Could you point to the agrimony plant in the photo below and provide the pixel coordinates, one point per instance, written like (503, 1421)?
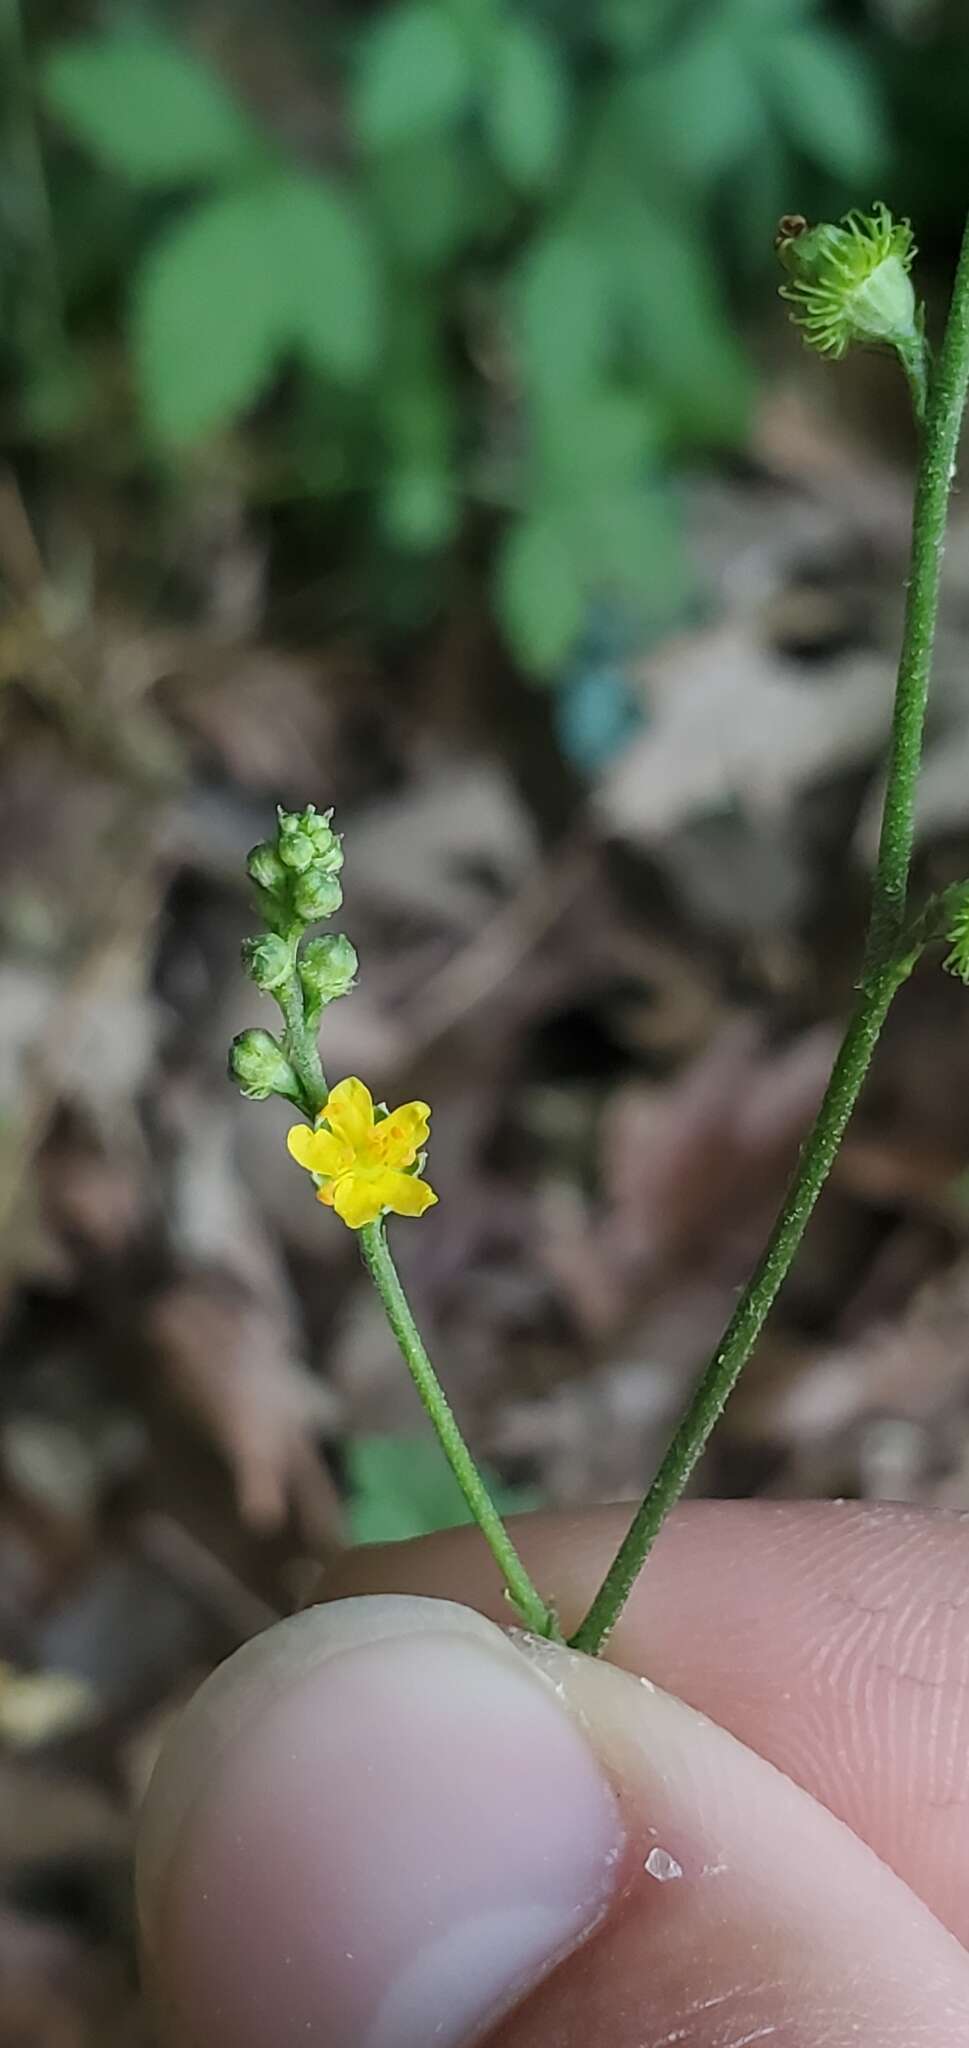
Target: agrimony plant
(366, 1161)
(848, 284)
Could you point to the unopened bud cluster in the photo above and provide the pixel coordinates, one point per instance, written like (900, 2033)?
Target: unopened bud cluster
(297, 881)
(297, 872)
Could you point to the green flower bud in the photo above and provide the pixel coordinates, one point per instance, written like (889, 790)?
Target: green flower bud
(850, 282)
(327, 968)
(316, 895)
(268, 960)
(261, 1068)
(296, 851)
(265, 868)
(330, 858)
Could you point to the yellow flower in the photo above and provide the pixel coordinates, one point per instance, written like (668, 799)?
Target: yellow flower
(359, 1162)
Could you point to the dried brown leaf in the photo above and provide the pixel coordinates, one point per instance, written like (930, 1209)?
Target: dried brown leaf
(227, 1360)
(733, 724)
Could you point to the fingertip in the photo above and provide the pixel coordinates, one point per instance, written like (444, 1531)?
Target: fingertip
(376, 1823)
(749, 1912)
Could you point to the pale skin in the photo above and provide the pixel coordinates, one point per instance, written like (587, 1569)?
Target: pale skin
(769, 1843)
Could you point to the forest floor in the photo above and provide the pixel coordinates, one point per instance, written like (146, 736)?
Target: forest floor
(621, 994)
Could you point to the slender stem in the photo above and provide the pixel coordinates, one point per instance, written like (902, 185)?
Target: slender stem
(377, 1258)
(300, 1043)
(884, 970)
(940, 442)
(751, 1311)
(302, 1051)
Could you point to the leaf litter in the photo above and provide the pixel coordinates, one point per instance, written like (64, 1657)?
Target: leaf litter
(624, 1004)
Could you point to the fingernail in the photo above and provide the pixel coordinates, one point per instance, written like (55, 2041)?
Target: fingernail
(377, 1825)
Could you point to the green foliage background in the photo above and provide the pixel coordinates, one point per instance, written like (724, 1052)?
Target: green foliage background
(469, 275)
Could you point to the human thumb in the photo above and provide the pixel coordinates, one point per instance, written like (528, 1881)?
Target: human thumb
(385, 1823)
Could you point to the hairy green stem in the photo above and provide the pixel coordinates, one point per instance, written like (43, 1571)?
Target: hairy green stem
(534, 1612)
(752, 1310)
(884, 970)
(940, 442)
(300, 1043)
(302, 1050)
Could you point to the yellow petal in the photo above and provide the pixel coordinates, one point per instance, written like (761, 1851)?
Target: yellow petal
(397, 1141)
(331, 1156)
(359, 1198)
(349, 1112)
(405, 1194)
(299, 1141)
(318, 1151)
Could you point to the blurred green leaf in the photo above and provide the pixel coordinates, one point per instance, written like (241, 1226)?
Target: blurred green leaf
(632, 29)
(608, 437)
(767, 14)
(415, 75)
(207, 320)
(825, 97)
(426, 193)
(526, 106)
(418, 505)
(562, 316)
(633, 551)
(540, 599)
(477, 20)
(241, 279)
(327, 275)
(669, 289)
(761, 190)
(148, 108)
(402, 1487)
(419, 509)
(698, 110)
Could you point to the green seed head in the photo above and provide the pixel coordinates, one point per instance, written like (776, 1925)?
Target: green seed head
(850, 283)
